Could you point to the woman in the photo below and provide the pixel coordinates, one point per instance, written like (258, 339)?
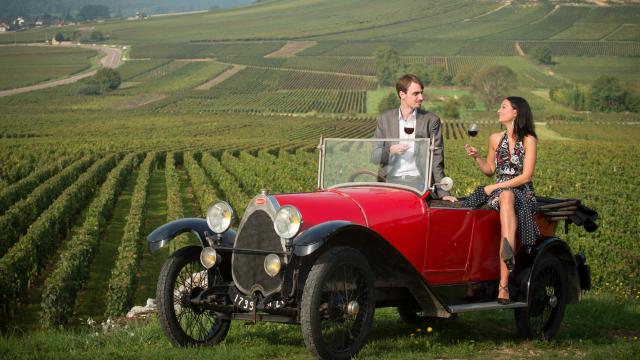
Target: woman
(512, 157)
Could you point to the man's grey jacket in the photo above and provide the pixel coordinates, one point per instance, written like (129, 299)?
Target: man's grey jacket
(427, 126)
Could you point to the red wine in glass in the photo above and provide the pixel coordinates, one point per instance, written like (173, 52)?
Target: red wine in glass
(472, 130)
(408, 130)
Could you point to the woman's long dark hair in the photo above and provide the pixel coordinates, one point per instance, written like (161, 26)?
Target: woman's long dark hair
(523, 124)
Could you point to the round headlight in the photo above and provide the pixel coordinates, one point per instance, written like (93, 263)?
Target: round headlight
(272, 264)
(209, 257)
(219, 217)
(287, 222)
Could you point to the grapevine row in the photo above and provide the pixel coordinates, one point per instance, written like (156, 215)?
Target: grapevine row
(18, 218)
(205, 194)
(71, 270)
(21, 264)
(226, 183)
(24, 187)
(174, 202)
(122, 282)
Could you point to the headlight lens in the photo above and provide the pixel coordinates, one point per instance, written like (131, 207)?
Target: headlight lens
(272, 264)
(219, 217)
(209, 257)
(287, 222)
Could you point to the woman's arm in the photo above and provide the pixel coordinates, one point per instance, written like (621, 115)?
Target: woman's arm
(488, 166)
(530, 153)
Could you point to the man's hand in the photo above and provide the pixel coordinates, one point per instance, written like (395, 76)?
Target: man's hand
(450, 198)
(398, 149)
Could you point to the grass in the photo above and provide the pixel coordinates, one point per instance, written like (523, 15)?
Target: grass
(588, 69)
(599, 326)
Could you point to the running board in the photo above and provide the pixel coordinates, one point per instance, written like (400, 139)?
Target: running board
(492, 305)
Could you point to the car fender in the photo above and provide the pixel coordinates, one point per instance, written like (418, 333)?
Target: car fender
(315, 237)
(162, 235)
(376, 249)
(562, 251)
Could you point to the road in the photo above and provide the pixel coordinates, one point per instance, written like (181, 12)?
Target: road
(110, 60)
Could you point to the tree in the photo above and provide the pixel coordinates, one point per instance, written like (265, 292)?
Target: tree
(59, 37)
(438, 75)
(542, 54)
(467, 102)
(108, 79)
(464, 75)
(388, 65)
(389, 101)
(421, 71)
(607, 94)
(96, 36)
(573, 96)
(492, 83)
(93, 12)
(450, 108)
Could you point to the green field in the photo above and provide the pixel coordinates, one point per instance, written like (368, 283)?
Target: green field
(84, 178)
(26, 65)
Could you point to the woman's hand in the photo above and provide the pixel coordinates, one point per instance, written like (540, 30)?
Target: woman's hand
(471, 151)
(489, 189)
(449, 198)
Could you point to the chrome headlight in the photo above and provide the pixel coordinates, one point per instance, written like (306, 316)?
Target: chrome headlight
(272, 264)
(209, 257)
(219, 217)
(287, 222)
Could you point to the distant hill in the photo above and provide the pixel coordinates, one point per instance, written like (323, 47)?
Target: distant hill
(10, 9)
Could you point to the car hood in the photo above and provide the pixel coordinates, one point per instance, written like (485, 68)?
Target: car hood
(375, 207)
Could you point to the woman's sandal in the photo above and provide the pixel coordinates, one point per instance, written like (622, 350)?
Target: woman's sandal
(503, 301)
(507, 254)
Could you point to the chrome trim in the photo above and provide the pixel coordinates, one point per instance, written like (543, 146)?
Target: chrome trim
(491, 305)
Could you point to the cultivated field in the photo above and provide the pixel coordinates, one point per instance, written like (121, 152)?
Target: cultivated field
(84, 178)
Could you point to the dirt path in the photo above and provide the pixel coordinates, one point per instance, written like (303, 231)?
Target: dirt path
(222, 77)
(291, 48)
(110, 60)
(506, 3)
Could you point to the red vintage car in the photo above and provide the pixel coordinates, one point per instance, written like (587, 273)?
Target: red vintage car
(327, 259)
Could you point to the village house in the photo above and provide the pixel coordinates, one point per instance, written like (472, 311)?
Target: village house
(3, 27)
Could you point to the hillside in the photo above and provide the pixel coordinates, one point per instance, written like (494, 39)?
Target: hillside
(349, 20)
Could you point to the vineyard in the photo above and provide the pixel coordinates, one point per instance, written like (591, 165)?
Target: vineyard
(84, 179)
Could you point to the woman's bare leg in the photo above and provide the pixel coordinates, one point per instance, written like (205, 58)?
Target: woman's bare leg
(508, 225)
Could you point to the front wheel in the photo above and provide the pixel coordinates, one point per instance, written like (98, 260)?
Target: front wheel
(547, 300)
(181, 279)
(338, 304)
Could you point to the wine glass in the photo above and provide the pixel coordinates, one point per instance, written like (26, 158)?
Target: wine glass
(408, 130)
(472, 130)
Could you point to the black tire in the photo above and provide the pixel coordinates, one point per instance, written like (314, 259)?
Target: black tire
(183, 277)
(338, 304)
(547, 300)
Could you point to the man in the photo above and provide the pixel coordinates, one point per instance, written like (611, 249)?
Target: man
(399, 160)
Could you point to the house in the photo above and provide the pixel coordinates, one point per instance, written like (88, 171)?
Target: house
(3, 27)
(18, 21)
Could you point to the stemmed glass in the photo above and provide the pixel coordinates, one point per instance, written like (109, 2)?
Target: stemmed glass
(472, 130)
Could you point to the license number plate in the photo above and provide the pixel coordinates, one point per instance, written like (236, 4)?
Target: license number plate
(248, 304)
(244, 303)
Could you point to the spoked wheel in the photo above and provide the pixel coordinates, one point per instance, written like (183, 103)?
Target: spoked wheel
(547, 300)
(338, 304)
(182, 279)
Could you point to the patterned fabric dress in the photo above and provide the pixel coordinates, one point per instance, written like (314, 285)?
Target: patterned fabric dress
(508, 166)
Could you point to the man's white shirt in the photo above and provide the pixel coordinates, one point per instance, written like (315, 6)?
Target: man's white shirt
(405, 164)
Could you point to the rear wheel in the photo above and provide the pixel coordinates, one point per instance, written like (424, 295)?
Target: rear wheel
(547, 300)
(181, 279)
(338, 304)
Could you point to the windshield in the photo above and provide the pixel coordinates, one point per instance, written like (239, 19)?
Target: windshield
(348, 162)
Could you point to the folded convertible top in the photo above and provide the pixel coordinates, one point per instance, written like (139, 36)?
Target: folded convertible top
(570, 210)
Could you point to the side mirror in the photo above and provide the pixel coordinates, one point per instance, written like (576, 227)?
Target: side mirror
(445, 184)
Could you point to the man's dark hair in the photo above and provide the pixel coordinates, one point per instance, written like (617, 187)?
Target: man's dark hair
(405, 81)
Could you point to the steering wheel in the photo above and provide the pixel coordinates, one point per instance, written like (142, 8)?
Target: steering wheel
(357, 173)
